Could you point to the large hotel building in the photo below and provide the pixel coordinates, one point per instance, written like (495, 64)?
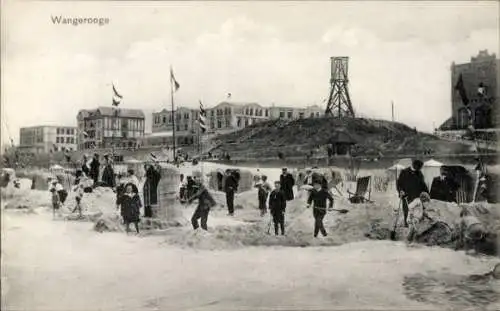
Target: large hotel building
(45, 139)
(223, 118)
(107, 127)
(481, 77)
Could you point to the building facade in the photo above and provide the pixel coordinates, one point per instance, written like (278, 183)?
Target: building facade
(108, 127)
(480, 78)
(44, 139)
(223, 118)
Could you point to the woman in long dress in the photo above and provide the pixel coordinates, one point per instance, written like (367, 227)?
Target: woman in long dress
(150, 189)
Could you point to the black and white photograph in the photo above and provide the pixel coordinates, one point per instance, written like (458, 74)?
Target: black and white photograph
(250, 155)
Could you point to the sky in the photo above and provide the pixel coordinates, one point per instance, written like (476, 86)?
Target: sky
(265, 52)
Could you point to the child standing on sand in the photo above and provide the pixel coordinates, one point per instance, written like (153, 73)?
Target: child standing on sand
(79, 190)
(56, 202)
(131, 206)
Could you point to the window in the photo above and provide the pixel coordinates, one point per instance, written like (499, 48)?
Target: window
(301, 115)
(238, 123)
(312, 114)
(267, 113)
(177, 127)
(164, 119)
(246, 122)
(219, 124)
(185, 127)
(282, 114)
(186, 116)
(68, 140)
(317, 114)
(290, 114)
(212, 113)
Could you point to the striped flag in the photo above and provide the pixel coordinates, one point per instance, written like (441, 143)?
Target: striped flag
(202, 119)
(174, 82)
(117, 98)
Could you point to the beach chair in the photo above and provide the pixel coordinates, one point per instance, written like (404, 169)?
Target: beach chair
(361, 189)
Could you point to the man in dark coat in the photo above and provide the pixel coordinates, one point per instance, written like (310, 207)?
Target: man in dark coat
(94, 169)
(410, 185)
(277, 206)
(319, 196)
(150, 189)
(230, 188)
(287, 182)
(443, 188)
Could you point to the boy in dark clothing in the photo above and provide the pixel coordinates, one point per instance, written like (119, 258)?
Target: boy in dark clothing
(277, 206)
(318, 196)
(230, 187)
(205, 202)
(410, 185)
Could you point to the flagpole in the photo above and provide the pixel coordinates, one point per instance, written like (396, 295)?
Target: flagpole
(173, 115)
(392, 110)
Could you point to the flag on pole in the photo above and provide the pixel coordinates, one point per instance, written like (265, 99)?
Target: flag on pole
(461, 90)
(174, 82)
(202, 119)
(117, 98)
(228, 95)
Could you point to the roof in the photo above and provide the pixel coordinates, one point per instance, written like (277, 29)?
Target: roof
(122, 112)
(341, 136)
(433, 162)
(109, 111)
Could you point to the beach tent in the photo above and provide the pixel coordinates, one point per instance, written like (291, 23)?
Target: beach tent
(395, 170)
(406, 162)
(431, 169)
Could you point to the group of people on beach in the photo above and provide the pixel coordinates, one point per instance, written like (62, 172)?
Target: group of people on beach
(126, 187)
(414, 200)
(411, 187)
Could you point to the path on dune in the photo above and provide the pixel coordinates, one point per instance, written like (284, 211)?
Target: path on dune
(56, 265)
